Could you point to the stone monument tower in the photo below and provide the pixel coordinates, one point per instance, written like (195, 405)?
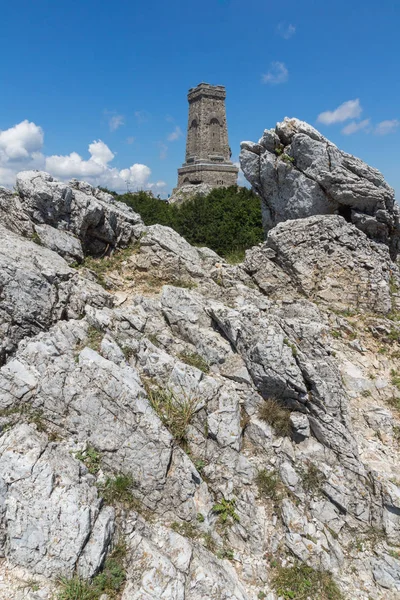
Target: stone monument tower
(207, 147)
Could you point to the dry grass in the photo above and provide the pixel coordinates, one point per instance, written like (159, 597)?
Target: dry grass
(276, 415)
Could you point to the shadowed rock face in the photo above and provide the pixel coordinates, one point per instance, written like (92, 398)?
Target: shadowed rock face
(299, 173)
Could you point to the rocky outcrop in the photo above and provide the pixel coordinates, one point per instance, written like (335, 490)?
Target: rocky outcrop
(246, 415)
(299, 173)
(188, 191)
(96, 221)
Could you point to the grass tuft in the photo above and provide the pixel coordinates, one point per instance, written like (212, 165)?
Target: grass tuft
(175, 413)
(277, 416)
(195, 360)
(301, 582)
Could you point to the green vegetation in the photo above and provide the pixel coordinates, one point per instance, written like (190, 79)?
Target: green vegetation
(301, 582)
(228, 220)
(269, 484)
(118, 490)
(24, 412)
(186, 529)
(90, 458)
(277, 416)
(175, 413)
(225, 509)
(395, 378)
(113, 262)
(312, 479)
(226, 553)
(194, 360)
(35, 238)
(109, 581)
(292, 346)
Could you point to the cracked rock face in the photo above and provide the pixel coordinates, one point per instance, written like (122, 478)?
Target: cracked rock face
(299, 173)
(307, 322)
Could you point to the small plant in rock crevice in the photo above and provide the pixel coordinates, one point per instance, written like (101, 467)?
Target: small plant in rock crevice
(225, 509)
(90, 458)
(108, 582)
(175, 412)
(301, 582)
(312, 479)
(194, 360)
(269, 484)
(276, 415)
(118, 490)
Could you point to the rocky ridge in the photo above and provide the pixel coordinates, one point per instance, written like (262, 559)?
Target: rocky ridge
(299, 173)
(251, 410)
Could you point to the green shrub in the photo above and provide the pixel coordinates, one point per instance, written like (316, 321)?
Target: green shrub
(277, 416)
(227, 220)
(301, 582)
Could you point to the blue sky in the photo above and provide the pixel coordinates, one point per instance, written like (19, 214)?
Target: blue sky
(97, 90)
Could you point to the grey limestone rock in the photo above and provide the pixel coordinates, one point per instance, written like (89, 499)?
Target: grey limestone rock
(298, 173)
(96, 218)
(51, 512)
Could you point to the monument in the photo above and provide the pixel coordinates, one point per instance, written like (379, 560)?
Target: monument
(208, 156)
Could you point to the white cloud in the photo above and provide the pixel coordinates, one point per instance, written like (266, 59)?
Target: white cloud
(385, 127)
(163, 150)
(116, 121)
(175, 135)
(20, 149)
(355, 126)
(21, 141)
(142, 116)
(277, 73)
(348, 110)
(286, 30)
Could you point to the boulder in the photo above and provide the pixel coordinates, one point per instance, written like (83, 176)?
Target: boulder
(299, 173)
(186, 192)
(95, 217)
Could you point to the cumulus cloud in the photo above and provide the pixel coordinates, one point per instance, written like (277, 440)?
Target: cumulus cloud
(277, 73)
(385, 127)
(353, 127)
(116, 121)
(348, 110)
(286, 30)
(175, 134)
(20, 149)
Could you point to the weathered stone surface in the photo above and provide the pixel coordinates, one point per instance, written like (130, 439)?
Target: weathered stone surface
(331, 261)
(96, 218)
(299, 173)
(37, 289)
(62, 242)
(51, 514)
(188, 191)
